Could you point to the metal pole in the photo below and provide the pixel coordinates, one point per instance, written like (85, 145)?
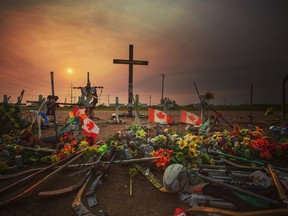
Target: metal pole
(52, 82)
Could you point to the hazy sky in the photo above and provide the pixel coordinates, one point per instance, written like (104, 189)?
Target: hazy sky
(222, 45)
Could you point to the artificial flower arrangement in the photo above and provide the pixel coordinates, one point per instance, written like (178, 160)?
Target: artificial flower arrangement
(245, 143)
(191, 150)
(11, 114)
(68, 144)
(164, 154)
(186, 149)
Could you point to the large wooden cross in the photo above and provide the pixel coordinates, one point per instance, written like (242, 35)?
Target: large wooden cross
(131, 62)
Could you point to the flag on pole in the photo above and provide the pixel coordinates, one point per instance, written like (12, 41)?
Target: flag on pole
(158, 116)
(190, 118)
(76, 112)
(80, 112)
(89, 127)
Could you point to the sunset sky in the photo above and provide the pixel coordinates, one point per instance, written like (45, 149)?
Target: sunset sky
(223, 46)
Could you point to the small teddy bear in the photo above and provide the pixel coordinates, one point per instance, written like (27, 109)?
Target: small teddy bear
(29, 139)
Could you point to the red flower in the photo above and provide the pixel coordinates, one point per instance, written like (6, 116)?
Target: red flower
(164, 159)
(61, 155)
(265, 147)
(67, 147)
(73, 142)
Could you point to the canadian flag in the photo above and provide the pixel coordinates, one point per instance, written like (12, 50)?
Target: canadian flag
(190, 118)
(158, 116)
(89, 128)
(76, 112)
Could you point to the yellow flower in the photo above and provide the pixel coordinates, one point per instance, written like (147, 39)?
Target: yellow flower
(119, 148)
(192, 151)
(114, 143)
(140, 134)
(192, 145)
(246, 140)
(83, 144)
(181, 144)
(188, 136)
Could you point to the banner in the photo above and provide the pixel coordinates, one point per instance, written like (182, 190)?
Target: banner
(190, 118)
(89, 128)
(158, 116)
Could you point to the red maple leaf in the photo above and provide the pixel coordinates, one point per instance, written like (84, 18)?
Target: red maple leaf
(192, 118)
(199, 121)
(160, 115)
(90, 125)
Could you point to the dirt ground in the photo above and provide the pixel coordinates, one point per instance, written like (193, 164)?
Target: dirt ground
(113, 194)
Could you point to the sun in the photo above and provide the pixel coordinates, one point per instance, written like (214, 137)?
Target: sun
(70, 71)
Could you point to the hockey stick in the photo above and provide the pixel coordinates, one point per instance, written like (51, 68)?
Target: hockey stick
(79, 208)
(98, 179)
(72, 158)
(155, 181)
(40, 171)
(72, 187)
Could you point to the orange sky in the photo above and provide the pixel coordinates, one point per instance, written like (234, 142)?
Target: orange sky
(223, 47)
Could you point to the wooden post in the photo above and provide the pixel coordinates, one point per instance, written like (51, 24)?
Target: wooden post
(130, 62)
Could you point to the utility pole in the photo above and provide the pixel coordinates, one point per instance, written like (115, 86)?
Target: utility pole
(163, 76)
(150, 96)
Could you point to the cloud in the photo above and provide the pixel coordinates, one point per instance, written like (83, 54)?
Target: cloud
(223, 46)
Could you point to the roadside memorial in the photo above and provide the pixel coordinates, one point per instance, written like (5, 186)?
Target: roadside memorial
(137, 105)
(70, 159)
(160, 117)
(189, 119)
(10, 118)
(204, 105)
(115, 116)
(236, 159)
(51, 107)
(89, 97)
(166, 105)
(151, 178)
(130, 62)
